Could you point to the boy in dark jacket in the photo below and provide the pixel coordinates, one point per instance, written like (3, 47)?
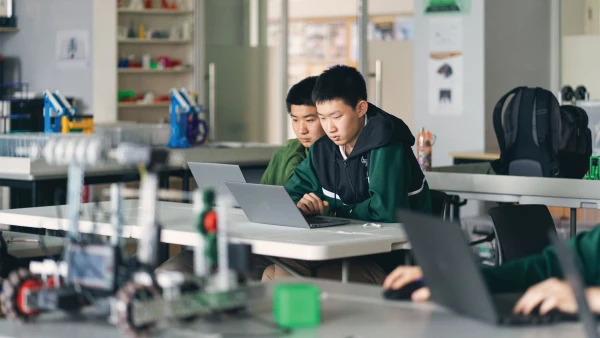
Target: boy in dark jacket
(365, 169)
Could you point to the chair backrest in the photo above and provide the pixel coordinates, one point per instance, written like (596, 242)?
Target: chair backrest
(521, 230)
(440, 204)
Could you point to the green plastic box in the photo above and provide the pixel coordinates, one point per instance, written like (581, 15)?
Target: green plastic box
(296, 305)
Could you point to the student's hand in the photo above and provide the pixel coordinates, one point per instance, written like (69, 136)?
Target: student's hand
(311, 204)
(550, 294)
(404, 275)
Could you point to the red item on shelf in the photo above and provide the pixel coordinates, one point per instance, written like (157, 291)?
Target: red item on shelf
(175, 63)
(148, 4)
(165, 62)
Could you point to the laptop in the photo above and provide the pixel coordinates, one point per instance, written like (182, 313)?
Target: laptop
(453, 274)
(271, 204)
(214, 175)
(569, 267)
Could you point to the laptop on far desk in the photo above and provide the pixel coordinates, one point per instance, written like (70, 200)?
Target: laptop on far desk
(454, 277)
(271, 204)
(214, 175)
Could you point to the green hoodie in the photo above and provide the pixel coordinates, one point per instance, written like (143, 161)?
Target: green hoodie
(378, 177)
(520, 274)
(283, 163)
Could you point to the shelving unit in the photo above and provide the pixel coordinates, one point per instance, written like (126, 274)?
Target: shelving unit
(8, 29)
(134, 105)
(154, 11)
(154, 71)
(155, 41)
(178, 46)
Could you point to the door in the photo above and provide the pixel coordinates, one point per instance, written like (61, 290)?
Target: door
(239, 66)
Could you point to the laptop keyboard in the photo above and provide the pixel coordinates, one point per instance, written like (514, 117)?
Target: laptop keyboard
(323, 221)
(506, 302)
(535, 318)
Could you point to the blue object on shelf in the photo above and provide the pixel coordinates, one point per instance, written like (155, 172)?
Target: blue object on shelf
(187, 126)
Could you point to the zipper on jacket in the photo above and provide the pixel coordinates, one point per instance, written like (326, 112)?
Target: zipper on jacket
(351, 185)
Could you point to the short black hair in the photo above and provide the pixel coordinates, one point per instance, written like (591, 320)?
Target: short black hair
(301, 93)
(340, 83)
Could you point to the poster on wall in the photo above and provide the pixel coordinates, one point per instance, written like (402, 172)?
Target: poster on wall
(445, 83)
(447, 6)
(446, 66)
(72, 49)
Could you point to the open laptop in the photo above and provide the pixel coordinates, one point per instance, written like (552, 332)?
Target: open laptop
(453, 275)
(214, 175)
(271, 204)
(569, 267)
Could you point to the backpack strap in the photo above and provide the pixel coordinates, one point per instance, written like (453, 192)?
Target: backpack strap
(545, 121)
(497, 119)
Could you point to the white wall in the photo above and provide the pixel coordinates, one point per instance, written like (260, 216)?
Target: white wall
(580, 63)
(34, 45)
(454, 133)
(334, 8)
(573, 12)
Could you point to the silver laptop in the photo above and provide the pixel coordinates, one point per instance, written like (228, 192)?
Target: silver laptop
(214, 175)
(271, 204)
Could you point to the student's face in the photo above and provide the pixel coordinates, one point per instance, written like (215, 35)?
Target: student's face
(341, 122)
(305, 123)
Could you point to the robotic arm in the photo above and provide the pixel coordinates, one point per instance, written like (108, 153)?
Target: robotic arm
(57, 104)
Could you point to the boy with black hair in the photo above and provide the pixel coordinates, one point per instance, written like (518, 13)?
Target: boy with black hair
(365, 169)
(307, 128)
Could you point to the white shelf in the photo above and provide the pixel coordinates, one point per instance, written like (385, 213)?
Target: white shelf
(154, 71)
(154, 11)
(143, 105)
(8, 29)
(155, 41)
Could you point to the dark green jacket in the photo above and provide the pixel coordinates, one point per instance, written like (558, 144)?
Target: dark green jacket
(378, 177)
(283, 163)
(520, 274)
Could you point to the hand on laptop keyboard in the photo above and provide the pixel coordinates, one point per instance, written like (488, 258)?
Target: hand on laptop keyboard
(551, 294)
(535, 318)
(311, 204)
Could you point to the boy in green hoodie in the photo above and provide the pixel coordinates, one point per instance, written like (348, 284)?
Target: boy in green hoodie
(538, 276)
(365, 169)
(306, 126)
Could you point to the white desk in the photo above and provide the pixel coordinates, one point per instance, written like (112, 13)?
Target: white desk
(348, 310)
(178, 222)
(558, 192)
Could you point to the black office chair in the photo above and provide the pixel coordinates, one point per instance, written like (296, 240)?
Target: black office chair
(440, 204)
(521, 230)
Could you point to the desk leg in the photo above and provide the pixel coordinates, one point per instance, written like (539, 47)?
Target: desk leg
(186, 180)
(573, 223)
(33, 194)
(345, 270)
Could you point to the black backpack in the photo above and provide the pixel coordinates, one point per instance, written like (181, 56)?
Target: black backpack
(538, 137)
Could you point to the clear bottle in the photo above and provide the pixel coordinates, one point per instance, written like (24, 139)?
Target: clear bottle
(425, 141)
